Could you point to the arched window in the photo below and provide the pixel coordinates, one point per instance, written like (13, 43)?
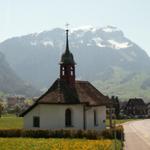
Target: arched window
(95, 118)
(63, 71)
(71, 71)
(68, 118)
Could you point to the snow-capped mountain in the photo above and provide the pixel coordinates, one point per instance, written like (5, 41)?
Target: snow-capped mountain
(109, 37)
(98, 52)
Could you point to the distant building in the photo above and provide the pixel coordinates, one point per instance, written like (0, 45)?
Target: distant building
(68, 104)
(135, 107)
(148, 109)
(13, 100)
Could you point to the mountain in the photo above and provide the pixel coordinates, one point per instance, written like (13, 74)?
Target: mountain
(115, 64)
(10, 83)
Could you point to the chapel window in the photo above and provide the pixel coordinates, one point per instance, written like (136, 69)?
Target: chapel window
(95, 118)
(36, 121)
(68, 118)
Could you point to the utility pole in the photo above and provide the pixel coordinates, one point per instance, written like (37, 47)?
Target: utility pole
(110, 115)
(115, 143)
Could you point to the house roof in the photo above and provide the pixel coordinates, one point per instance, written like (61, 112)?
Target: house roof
(135, 102)
(60, 93)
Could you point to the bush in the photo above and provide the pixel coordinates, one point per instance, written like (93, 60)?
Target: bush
(92, 134)
(88, 134)
(110, 133)
(10, 132)
(35, 133)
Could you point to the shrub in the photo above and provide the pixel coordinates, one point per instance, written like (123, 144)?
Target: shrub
(92, 134)
(10, 132)
(107, 134)
(88, 134)
(35, 133)
(110, 133)
(120, 132)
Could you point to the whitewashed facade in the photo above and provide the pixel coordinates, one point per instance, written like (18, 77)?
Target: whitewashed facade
(53, 117)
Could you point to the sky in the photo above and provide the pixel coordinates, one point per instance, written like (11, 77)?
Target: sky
(20, 17)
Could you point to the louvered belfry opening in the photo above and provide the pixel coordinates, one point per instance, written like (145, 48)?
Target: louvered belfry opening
(67, 65)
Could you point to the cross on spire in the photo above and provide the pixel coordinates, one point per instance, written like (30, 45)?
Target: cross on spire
(67, 26)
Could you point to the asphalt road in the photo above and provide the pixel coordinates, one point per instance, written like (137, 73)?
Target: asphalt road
(137, 135)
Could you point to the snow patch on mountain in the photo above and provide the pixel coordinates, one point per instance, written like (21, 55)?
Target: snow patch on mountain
(110, 29)
(48, 43)
(84, 29)
(117, 45)
(98, 42)
(90, 28)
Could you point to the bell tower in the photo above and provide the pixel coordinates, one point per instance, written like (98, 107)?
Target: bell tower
(67, 65)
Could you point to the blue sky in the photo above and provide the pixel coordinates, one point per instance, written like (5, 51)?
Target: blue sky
(19, 17)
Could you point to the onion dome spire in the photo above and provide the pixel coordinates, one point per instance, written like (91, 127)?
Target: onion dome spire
(67, 57)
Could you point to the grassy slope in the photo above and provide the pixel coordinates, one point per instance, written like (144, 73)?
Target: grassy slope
(124, 85)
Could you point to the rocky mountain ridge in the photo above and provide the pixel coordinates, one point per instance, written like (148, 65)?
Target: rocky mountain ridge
(104, 56)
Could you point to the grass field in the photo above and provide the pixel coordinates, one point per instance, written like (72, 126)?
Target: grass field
(11, 121)
(56, 144)
(120, 121)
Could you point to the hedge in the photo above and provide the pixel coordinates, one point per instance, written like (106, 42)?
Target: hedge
(88, 134)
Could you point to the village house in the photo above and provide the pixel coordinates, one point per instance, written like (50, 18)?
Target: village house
(68, 103)
(135, 108)
(148, 109)
(13, 100)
